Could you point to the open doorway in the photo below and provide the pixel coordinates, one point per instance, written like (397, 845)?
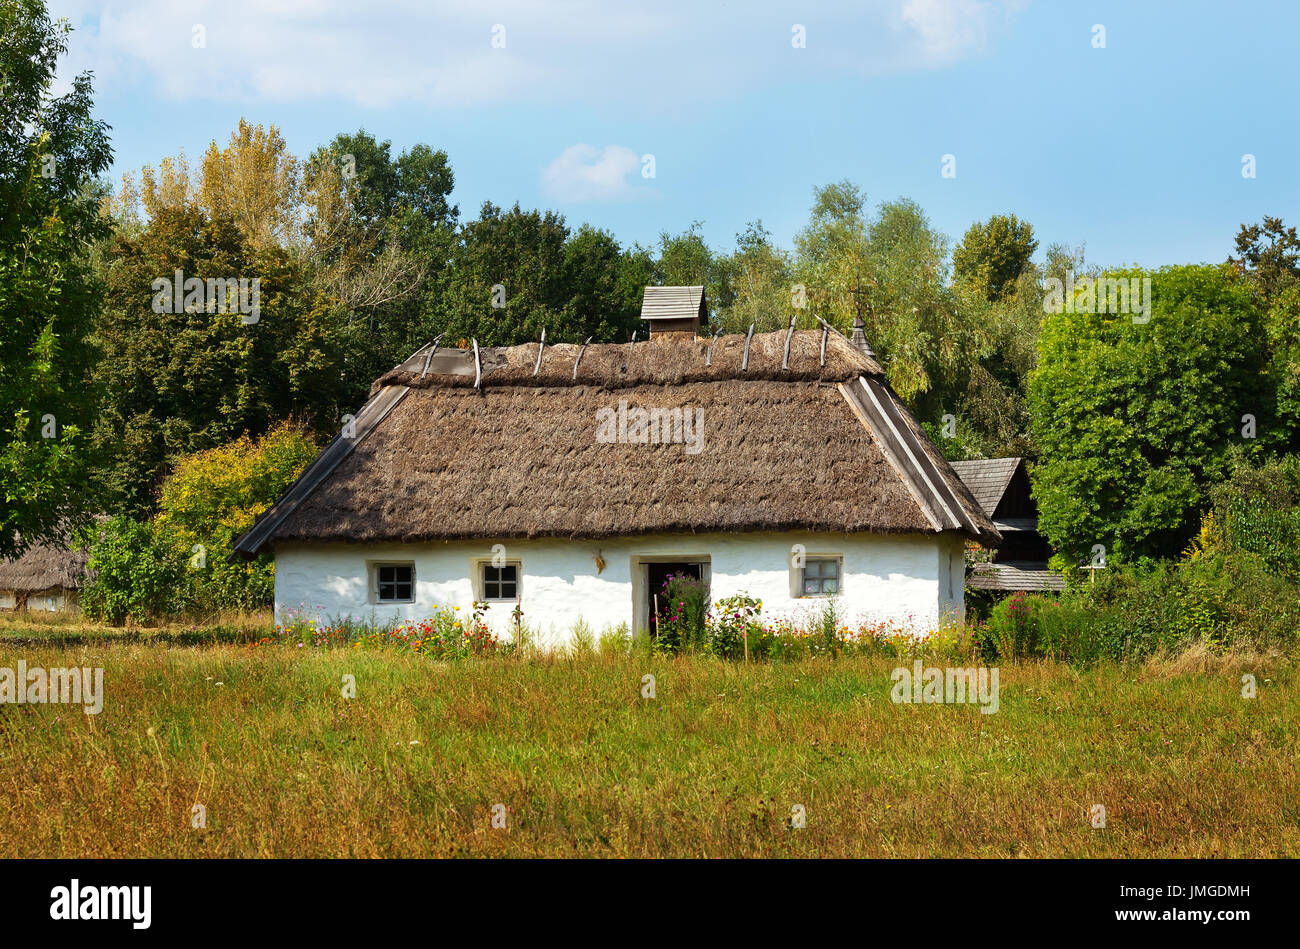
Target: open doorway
(657, 576)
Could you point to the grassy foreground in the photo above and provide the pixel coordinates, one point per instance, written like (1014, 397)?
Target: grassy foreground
(412, 766)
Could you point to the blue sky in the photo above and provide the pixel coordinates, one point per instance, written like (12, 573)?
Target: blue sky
(1134, 150)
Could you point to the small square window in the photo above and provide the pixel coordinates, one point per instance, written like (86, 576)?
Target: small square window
(501, 583)
(395, 582)
(821, 577)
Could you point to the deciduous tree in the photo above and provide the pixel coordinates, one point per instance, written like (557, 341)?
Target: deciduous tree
(51, 150)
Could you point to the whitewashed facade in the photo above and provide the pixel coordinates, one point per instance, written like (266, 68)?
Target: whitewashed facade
(913, 581)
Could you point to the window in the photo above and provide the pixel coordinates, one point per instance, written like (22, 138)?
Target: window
(821, 576)
(395, 582)
(501, 583)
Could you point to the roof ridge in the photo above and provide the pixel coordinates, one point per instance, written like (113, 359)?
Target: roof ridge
(822, 354)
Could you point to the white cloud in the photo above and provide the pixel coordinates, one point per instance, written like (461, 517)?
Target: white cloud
(586, 173)
(411, 52)
(949, 29)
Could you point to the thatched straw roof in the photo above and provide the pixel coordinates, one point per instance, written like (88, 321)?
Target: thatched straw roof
(809, 439)
(43, 567)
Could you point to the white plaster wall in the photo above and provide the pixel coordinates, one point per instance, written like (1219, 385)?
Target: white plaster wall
(952, 568)
(45, 602)
(900, 578)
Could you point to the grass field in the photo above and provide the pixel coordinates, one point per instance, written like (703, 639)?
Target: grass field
(712, 766)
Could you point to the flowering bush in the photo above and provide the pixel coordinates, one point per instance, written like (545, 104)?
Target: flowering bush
(443, 635)
(1013, 627)
(683, 614)
(733, 625)
(734, 628)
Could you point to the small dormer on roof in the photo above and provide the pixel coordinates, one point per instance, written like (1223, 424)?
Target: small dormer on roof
(677, 311)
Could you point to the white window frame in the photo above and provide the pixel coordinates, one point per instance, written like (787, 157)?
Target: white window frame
(373, 571)
(480, 582)
(797, 577)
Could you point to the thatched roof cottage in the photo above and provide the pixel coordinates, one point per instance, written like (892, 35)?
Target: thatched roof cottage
(44, 578)
(571, 480)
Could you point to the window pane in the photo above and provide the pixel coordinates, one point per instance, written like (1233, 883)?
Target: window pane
(821, 577)
(395, 581)
(500, 583)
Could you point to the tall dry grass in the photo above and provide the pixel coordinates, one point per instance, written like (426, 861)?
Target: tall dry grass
(412, 766)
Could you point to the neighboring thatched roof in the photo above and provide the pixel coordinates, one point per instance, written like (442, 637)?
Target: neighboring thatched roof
(43, 567)
(790, 443)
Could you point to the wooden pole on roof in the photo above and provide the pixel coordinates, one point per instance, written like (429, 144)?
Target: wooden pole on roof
(579, 359)
(826, 331)
(429, 358)
(478, 366)
(540, 346)
(708, 357)
(785, 361)
(744, 363)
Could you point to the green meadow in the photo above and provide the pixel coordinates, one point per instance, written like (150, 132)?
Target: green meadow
(723, 761)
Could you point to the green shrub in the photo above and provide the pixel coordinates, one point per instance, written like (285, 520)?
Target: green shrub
(582, 639)
(135, 572)
(1013, 627)
(683, 615)
(1258, 510)
(212, 497)
(614, 640)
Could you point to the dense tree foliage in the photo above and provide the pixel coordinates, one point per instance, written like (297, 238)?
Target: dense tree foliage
(994, 253)
(513, 273)
(51, 150)
(1135, 421)
(1270, 256)
(194, 378)
(762, 290)
(138, 572)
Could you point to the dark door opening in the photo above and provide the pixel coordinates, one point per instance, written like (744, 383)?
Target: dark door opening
(658, 576)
